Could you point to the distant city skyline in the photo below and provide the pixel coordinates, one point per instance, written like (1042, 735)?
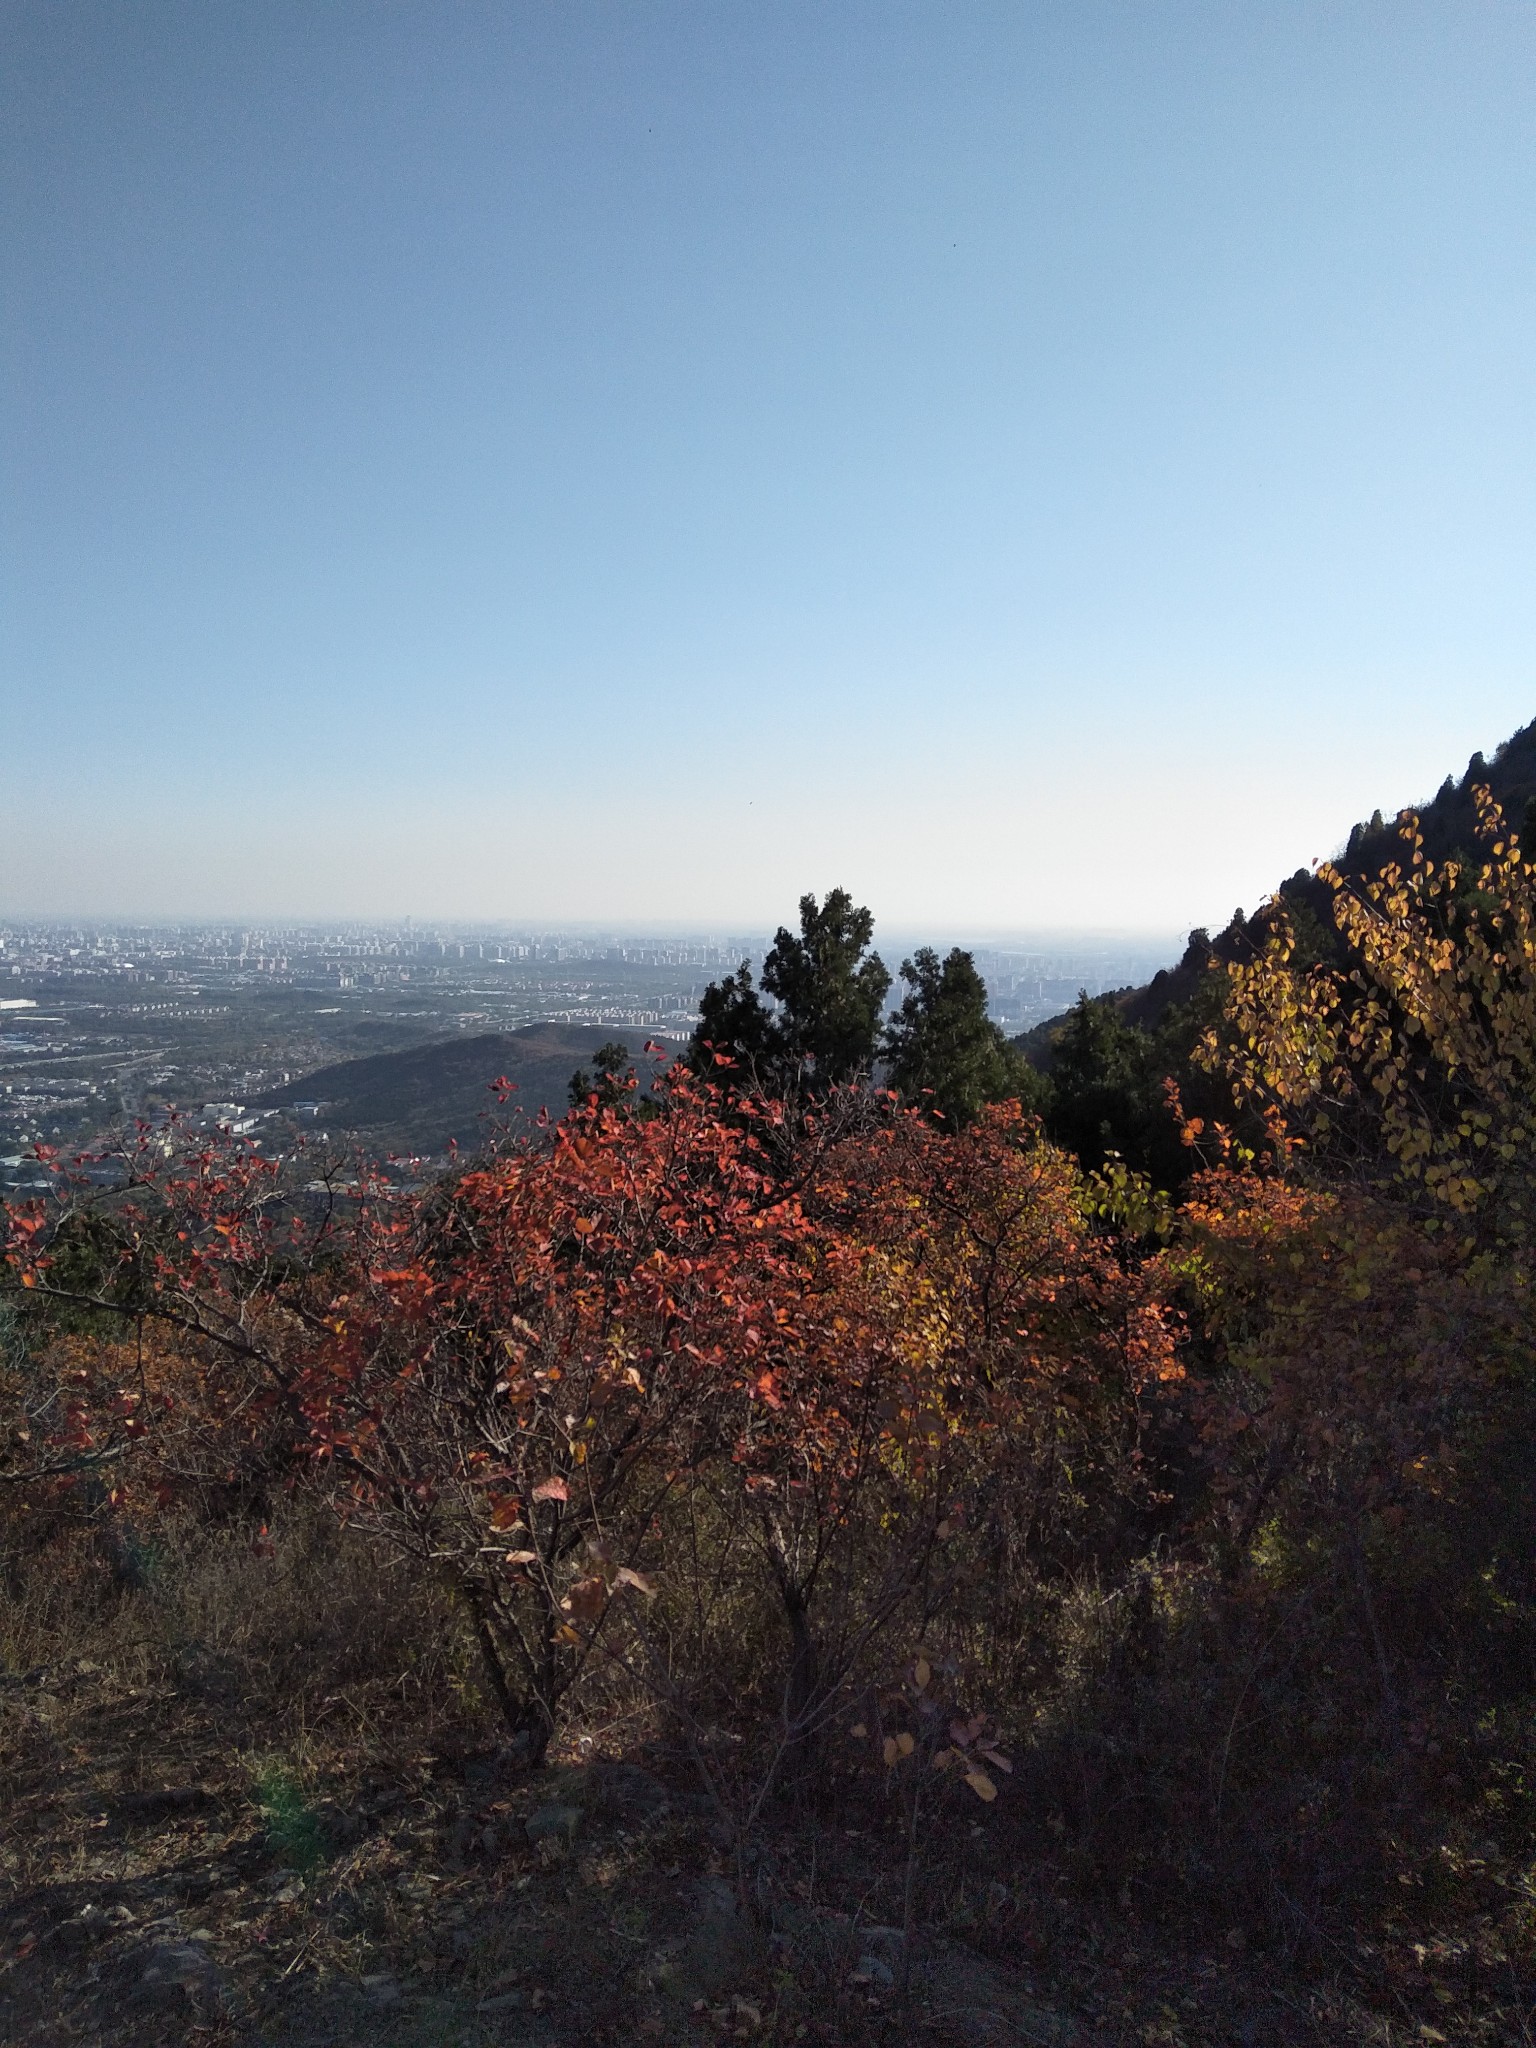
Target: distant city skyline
(587, 932)
(1042, 469)
(45, 950)
(101, 1023)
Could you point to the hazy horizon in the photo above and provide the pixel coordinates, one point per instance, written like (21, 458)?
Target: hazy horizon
(890, 938)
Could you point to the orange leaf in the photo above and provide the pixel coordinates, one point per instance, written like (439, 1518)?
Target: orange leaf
(587, 1598)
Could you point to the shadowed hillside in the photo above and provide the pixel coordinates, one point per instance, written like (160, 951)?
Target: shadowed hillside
(1110, 1058)
(1446, 822)
(419, 1099)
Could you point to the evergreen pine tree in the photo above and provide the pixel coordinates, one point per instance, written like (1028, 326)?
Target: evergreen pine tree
(943, 1047)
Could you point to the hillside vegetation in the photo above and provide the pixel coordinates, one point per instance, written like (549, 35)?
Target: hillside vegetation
(425, 1096)
(781, 1558)
(1109, 1061)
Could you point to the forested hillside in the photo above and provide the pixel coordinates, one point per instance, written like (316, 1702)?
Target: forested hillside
(1111, 1058)
(851, 1544)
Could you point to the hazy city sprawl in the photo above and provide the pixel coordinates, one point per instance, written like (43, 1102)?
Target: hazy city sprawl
(105, 1025)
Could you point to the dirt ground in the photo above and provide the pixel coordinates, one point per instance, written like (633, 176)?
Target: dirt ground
(160, 1881)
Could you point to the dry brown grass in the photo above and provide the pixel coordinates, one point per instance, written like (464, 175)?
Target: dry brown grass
(252, 1794)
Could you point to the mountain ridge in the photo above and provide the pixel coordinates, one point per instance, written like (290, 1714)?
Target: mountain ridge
(1447, 823)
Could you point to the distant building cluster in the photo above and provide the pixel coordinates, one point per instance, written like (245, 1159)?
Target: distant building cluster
(342, 956)
(102, 1024)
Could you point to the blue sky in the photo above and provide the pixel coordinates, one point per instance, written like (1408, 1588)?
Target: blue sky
(1037, 465)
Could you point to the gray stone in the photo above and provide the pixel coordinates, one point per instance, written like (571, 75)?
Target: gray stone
(717, 1954)
(553, 1823)
(979, 2004)
(177, 1970)
(178, 1962)
(825, 1939)
(715, 1898)
(888, 1943)
(89, 1924)
(565, 1784)
(626, 1791)
(505, 2001)
(718, 1951)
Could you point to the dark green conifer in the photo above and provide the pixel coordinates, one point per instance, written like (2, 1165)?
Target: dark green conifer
(943, 1047)
(830, 992)
(831, 989)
